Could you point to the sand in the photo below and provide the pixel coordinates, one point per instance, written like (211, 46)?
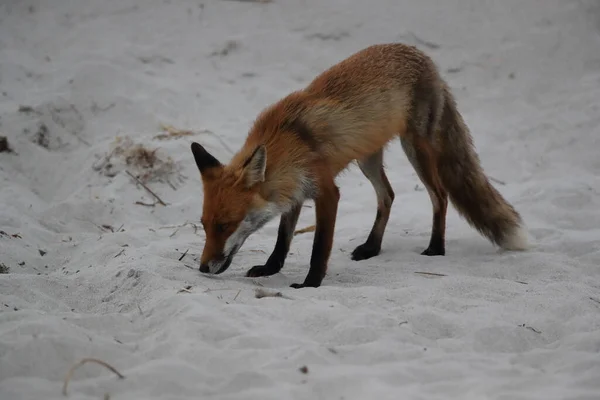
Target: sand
(93, 259)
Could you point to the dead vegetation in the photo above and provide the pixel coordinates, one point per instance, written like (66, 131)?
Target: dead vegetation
(310, 228)
(88, 360)
(146, 164)
(173, 133)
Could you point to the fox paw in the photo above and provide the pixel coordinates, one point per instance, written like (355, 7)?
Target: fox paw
(261, 270)
(303, 285)
(365, 251)
(432, 251)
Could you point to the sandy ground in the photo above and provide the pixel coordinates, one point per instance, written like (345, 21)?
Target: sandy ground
(93, 274)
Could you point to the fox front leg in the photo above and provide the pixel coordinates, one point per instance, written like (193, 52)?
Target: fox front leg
(326, 205)
(275, 262)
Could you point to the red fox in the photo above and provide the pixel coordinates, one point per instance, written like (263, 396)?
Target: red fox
(297, 146)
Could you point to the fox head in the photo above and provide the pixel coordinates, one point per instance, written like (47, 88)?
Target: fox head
(233, 207)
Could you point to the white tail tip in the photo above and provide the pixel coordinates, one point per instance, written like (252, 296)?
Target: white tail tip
(518, 239)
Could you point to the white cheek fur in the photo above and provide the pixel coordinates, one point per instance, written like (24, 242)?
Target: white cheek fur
(253, 222)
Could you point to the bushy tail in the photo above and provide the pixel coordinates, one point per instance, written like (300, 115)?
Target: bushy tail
(469, 189)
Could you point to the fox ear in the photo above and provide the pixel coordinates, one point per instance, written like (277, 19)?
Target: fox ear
(204, 160)
(255, 166)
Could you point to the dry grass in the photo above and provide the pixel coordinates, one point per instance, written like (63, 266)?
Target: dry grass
(173, 133)
(147, 164)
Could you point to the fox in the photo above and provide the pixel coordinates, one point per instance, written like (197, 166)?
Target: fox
(297, 147)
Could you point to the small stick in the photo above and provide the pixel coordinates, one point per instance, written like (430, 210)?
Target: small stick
(305, 230)
(533, 329)
(522, 283)
(121, 227)
(184, 254)
(141, 203)
(147, 188)
(429, 273)
(182, 225)
(238, 293)
(121, 252)
(498, 181)
(74, 367)
(170, 184)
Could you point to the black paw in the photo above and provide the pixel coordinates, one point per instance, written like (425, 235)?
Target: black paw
(433, 251)
(365, 251)
(261, 270)
(305, 284)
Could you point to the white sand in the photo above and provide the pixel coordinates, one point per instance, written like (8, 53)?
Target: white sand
(497, 325)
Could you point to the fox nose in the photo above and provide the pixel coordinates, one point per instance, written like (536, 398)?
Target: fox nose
(204, 268)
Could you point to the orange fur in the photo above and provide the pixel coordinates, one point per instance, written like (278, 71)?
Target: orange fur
(347, 113)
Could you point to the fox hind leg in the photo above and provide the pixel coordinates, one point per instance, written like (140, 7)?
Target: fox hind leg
(372, 168)
(424, 160)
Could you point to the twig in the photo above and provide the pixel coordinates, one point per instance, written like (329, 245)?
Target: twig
(429, 273)
(186, 289)
(305, 230)
(238, 293)
(170, 184)
(189, 266)
(595, 300)
(121, 252)
(83, 361)
(533, 329)
(498, 181)
(522, 283)
(182, 225)
(141, 203)
(530, 328)
(146, 187)
(121, 227)
(184, 254)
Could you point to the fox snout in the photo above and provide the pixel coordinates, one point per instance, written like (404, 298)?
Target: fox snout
(216, 265)
(204, 268)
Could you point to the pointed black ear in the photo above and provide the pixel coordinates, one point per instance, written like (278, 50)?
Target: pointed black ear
(255, 166)
(204, 160)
